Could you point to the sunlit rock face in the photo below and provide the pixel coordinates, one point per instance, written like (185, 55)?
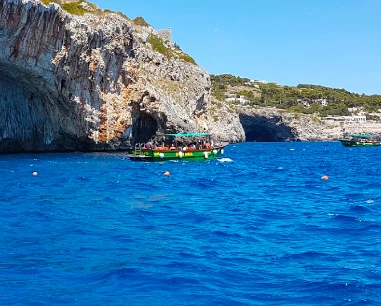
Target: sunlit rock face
(93, 82)
(89, 82)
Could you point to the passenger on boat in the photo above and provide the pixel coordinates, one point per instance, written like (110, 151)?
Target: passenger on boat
(149, 145)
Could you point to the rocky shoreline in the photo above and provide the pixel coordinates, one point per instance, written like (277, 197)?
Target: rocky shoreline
(94, 83)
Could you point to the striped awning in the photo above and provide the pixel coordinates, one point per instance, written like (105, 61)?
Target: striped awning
(188, 134)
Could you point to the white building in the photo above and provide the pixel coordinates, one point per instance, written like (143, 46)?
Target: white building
(252, 83)
(241, 99)
(323, 102)
(348, 119)
(306, 103)
(355, 119)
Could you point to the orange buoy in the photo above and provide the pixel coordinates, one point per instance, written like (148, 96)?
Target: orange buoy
(324, 178)
(35, 173)
(166, 173)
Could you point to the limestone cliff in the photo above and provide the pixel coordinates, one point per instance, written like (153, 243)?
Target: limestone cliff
(236, 122)
(284, 126)
(89, 82)
(94, 82)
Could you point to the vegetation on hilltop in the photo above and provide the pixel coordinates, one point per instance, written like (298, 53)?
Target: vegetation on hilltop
(221, 83)
(77, 8)
(74, 8)
(47, 2)
(118, 13)
(304, 98)
(141, 22)
(158, 45)
(187, 58)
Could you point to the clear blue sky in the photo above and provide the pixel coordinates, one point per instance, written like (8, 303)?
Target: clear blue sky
(336, 43)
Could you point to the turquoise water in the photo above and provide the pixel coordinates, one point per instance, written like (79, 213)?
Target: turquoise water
(259, 229)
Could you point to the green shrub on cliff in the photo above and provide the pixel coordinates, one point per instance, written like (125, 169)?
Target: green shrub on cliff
(228, 79)
(184, 56)
(107, 11)
(158, 45)
(74, 8)
(141, 22)
(47, 2)
(187, 58)
(220, 83)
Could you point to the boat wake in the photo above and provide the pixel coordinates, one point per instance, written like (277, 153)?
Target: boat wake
(225, 160)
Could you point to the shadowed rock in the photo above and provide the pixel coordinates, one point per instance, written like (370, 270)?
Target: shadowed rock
(264, 129)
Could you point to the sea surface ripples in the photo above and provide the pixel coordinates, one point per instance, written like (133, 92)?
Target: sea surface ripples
(259, 227)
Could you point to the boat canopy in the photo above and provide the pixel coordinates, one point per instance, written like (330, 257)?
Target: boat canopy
(361, 136)
(188, 134)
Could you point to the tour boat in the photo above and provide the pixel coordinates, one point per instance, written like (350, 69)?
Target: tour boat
(359, 140)
(181, 146)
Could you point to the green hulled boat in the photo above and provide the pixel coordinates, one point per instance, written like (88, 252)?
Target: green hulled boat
(181, 146)
(359, 140)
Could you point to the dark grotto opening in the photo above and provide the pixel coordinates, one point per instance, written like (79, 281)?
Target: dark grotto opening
(143, 127)
(33, 117)
(263, 129)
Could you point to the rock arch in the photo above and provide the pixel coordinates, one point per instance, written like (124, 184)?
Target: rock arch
(264, 129)
(144, 126)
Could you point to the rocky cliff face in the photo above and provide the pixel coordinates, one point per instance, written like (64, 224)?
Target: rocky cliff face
(93, 82)
(89, 82)
(244, 123)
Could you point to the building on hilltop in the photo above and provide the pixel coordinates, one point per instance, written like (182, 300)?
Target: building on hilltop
(356, 110)
(348, 119)
(307, 102)
(234, 98)
(252, 83)
(323, 102)
(355, 119)
(304, 102)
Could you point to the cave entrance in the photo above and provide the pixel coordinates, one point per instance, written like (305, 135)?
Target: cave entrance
(30, 114)
(143, 127)
(263, 129)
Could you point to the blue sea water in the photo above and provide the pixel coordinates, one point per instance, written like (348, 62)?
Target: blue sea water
(259, 227)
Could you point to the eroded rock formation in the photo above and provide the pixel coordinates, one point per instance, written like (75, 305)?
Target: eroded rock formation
(89, 82)
(236, 122)
(93, 82)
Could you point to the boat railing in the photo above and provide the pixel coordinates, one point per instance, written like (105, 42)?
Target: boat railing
(138, 148)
